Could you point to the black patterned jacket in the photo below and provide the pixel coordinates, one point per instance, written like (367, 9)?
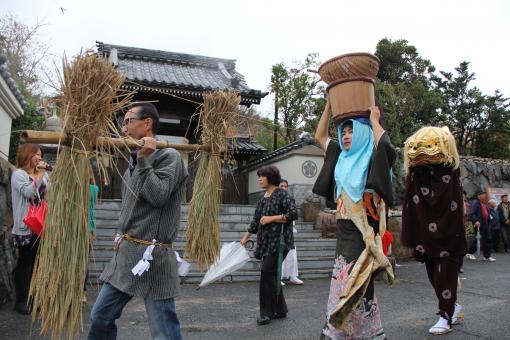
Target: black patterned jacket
(268, 236)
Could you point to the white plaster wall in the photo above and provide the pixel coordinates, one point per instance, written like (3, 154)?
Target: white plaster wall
(290, 169)
(5, 132)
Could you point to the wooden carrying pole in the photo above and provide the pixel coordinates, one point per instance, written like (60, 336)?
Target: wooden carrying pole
(49, 137)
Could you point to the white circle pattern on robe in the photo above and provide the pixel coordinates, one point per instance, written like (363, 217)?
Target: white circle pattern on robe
(424, 191)
(453, 206)
(420, 248)
(432, 227)
(416, 199)
(446, 178)
(447, 294)
(444, 253)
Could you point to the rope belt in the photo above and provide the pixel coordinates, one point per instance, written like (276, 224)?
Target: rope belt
(145, 243)
(143, 265)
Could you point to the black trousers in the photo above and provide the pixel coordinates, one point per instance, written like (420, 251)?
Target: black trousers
(496, 237)
(24, 269)
(270, 303)
(485, 242)
(443, 275)
(505, 235)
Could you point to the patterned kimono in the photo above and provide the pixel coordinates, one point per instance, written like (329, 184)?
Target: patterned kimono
(352, 309)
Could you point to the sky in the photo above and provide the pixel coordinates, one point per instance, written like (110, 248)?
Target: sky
(259, 34)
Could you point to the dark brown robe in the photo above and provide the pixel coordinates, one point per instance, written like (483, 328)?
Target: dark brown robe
(432, 212)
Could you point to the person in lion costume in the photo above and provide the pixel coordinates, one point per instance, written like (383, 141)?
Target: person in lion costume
(432, 216)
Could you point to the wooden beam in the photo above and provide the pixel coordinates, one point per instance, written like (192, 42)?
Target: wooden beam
(49, 137)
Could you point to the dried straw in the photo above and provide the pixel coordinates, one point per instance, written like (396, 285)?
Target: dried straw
(218, 116)
(89, 99)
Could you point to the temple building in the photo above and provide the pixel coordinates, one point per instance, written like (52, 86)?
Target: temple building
(176, 82)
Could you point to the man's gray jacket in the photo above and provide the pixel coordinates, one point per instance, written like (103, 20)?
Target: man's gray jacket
(151, 208)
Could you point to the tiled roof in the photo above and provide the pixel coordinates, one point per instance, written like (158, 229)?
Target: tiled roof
(6, 75)
(178, 73)
(298, 144)
(246, 146)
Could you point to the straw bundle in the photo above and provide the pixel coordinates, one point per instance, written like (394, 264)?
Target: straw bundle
(218, 115)
(89, 99)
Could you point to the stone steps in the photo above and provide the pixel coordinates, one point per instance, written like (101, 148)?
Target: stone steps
(315, 255)
(225, 226)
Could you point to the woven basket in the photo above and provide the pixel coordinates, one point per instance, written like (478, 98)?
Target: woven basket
(350, 65)
(351, 98)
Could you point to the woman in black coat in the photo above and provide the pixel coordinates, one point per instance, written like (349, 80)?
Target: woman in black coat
(272, 223)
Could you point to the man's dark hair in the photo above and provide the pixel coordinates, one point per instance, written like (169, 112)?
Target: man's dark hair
(284, 181)
(271, 173)
(148, 110)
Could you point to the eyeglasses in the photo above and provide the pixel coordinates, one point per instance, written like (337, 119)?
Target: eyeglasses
(127, 121)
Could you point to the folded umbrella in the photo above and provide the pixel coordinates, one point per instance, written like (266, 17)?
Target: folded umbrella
(281, 249)
(233, 256)
(478, 237)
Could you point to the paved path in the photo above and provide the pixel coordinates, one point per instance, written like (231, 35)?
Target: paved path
(228, 311)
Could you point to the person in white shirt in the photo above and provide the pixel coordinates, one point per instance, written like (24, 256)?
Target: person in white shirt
(290, 264)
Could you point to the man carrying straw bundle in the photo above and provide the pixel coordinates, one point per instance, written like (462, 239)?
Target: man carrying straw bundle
(144, 264)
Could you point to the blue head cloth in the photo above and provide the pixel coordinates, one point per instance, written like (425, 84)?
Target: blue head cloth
(351, 169)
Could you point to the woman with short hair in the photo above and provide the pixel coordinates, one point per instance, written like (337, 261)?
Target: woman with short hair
(271, 223)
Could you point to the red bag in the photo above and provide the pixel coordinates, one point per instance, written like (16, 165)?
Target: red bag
(36, 215)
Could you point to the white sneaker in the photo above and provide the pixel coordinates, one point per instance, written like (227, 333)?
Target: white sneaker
(458, 315)
(490, 259)
(470, 257)
(441, 327)
(296, 281)
(283, 284)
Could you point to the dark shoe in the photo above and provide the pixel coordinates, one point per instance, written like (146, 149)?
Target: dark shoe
(279, 316)
(263, 320)
(21, 308)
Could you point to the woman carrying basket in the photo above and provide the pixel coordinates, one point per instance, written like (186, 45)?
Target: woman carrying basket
(356, 176)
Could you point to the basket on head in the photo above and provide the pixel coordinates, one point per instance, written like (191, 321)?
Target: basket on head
(351, 80)
(351, 98)
(351, 65)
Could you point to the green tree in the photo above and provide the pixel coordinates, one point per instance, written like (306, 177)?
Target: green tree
(28, 121)
(25, 53)
(463, 106)
(401, 62)
(265, 132)
(404, 90)
(494, 140)
(294, 89)
(25, 56)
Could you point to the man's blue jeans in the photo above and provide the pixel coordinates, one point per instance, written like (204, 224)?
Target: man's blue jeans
(163, 322)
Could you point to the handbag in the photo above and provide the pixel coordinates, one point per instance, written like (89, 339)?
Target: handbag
(36, 215)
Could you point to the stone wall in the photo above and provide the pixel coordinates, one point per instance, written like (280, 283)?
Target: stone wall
(7, 255)
(308, 204)
(476, 174)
